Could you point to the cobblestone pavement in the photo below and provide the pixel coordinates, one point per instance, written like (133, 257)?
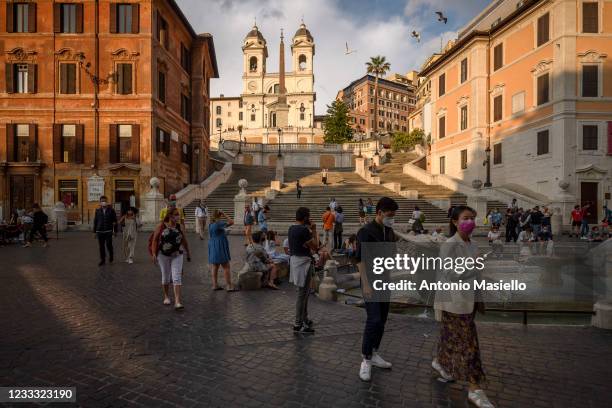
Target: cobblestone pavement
(104, 330)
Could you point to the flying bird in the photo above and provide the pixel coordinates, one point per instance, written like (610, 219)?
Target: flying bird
(417, 35)
(348, 50)
(441, 17)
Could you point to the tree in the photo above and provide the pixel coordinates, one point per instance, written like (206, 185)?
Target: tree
(407, 141)
(337, 127)
(379, 67)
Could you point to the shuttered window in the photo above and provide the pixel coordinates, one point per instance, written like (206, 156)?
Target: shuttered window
(464, 117)
(442, 85)
(590, 17)
(543, 29)
(68, 18)
(498, 57)
(543, 89)
(161, 86)
(497, 153)
(185, 58)
(124, 79)
(186, 108)
(590, 81)
(442, 164)
(464, 159)
(21, 78)
(67, 78)
(464, 70)
(21, 17)
(442, 127)
(497, 108)
(163, 142)
(162, 31)
(185, 152)
(68, 143)
(589, 137)
(543, 142)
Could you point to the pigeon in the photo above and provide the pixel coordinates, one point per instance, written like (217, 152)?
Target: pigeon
(441, 17)
(348, 50)
(416, 35)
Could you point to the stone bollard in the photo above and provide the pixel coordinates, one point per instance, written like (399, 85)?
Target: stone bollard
(603, 307)
(331, 269)
(327, 289)
(59, 212)
(282, 270)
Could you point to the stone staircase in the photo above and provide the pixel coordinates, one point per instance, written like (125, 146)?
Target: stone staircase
(346, 187)
(259, 178)
(392, 172)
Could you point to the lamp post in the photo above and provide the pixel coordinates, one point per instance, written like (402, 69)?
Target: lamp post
(280, 133)
(220, 140)
(376, 141)
(239, 139)
(487, 163)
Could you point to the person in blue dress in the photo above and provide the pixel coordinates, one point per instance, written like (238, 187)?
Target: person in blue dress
(218, 249)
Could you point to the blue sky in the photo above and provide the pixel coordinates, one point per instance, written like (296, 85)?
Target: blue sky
(374, 27)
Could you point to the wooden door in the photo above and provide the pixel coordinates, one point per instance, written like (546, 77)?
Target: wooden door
(22, 192)
(588, 193)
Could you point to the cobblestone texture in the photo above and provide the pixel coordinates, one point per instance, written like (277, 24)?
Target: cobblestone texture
(66, 322)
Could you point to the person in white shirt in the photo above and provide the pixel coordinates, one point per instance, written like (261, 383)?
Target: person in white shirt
(495, 241)
(201, 215)
(333, 204)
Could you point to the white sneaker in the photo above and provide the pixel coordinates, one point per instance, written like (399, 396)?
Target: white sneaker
(378, 361)
(443, 374)
(130, 261)
(365, 372)
(479, 398)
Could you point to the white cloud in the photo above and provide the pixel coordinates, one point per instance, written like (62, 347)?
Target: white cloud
(229, 21)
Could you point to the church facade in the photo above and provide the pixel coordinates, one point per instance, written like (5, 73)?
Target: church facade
(271, 101)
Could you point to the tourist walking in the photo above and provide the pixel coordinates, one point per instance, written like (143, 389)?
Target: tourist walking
(333, 204)
(218, 249)
(494, 237)
(172, 204)
(105, 220)
(303, 242)
(262, 219)
(584, 226)
(511, 225)
(576, 216)
(536, 220)
(298, 189)
(38, 225)
(377, 309)
(249, 220)
(458, 356)
(168, 246)
(324, 176)
(328, 224)
(201, 215)
(255, 209)
(129, 225)
(338, 228)
(362, 212)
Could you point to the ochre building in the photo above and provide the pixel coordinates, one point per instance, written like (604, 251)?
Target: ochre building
(100, 96)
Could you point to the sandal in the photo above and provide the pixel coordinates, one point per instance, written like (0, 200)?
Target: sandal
(232, 290)
(167, 302)
(217, 288)
(179, 306)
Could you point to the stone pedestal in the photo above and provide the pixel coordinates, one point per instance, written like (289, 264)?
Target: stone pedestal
(360, 166)
(152, 204)
(241, 200)
(603, 315)
(250, 280)
(327, 289)
(280, 169)
(478, 203)
(59, 213)
(556, 222)
(565, 202)
(376, 160)
(601, 261)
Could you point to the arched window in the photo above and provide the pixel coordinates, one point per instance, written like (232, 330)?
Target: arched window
(218, 110)
(302, 62)
(219, 123)
(253, 64)
(274, 89)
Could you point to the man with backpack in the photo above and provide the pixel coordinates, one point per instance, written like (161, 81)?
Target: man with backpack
(39, 225)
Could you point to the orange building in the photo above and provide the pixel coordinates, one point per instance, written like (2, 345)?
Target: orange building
(527, 90)
(100, 97)
(395, 102)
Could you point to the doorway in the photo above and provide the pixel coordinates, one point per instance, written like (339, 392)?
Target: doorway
(125, 196)
(22, 192)
(588, 193)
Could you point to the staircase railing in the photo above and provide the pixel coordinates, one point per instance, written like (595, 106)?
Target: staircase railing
(200, 191)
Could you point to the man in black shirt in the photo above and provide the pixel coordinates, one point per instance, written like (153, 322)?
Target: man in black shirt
(103, 228)
(379, 230)
(303, 242)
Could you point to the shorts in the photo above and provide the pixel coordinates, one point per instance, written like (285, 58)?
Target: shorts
(171, 268)
(576, 223)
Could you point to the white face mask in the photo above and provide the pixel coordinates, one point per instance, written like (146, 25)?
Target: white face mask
(103, 203)
(388, 221)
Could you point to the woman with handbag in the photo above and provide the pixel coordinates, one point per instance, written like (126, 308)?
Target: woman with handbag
(458, 356)
(168, 245)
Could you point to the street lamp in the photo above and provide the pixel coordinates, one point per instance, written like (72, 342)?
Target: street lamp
(376, 141)
(487, 163)
(280, 132)
(239, 139)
